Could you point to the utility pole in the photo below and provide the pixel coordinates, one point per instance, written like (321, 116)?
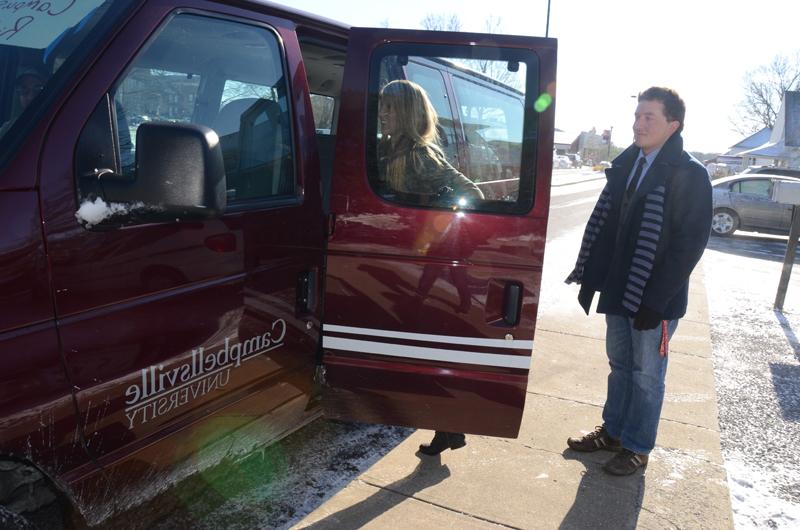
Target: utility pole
(788, 259)
(608, 153)
(547, 28)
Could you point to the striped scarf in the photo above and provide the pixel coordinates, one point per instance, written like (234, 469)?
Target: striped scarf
(644, 254)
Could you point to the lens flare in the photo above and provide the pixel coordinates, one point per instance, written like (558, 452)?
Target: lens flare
(543, 102)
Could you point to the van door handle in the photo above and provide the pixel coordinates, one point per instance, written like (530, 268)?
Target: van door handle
(306, 289)
(512, 303)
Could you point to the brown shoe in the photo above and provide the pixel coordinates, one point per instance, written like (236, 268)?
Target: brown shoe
(625, 463)
(594, 441)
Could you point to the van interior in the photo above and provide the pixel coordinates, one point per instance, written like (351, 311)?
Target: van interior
(324, 60)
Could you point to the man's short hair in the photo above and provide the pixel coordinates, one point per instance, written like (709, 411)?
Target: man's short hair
(674, 107)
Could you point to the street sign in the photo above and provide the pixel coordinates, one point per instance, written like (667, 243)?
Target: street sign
(791, 104)
(786, 192)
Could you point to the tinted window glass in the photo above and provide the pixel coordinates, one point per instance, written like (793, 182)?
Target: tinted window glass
(322, 107)
(152, 94)
(38, 58)
(412, 160)
(492, 122)
(762, 188)
(225, 75)
(433, 83)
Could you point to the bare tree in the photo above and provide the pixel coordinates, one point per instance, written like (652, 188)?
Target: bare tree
(497, 70)
(441, 22)
(763, 93)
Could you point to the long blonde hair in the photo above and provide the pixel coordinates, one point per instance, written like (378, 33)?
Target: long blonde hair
(418, 133)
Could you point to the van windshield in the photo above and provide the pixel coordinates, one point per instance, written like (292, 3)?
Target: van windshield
(41, 43)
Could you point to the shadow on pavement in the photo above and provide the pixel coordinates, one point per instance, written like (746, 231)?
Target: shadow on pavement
(603, 501)
(786, 381)
(789, 332)
(428, 472)
(750, 246)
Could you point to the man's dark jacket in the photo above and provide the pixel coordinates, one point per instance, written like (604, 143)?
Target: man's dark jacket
(684, 233)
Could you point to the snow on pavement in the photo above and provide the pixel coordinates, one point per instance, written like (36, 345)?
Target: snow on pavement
(757, 372)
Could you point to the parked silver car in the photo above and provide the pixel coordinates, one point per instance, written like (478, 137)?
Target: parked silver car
(744, 202)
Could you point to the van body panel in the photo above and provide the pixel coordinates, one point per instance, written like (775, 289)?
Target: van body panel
(134, 355)
(37, 414)
(25, 297)
(172, 333)
(414, 331)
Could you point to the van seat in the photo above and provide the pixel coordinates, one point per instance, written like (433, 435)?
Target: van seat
(228, 119)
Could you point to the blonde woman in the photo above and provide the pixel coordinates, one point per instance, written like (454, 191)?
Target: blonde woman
(411, 165)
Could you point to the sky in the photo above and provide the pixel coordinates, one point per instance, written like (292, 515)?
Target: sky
(610, 51)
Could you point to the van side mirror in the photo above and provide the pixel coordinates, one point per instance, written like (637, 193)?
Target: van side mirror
(179, 169)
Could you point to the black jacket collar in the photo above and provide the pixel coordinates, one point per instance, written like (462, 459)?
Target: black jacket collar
(670, 154)
(617, 175)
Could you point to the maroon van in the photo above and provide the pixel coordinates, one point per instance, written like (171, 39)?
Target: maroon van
(198, 257)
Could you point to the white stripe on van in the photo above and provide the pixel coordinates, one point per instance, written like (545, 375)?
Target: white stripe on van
(431, 354)
(449, 339)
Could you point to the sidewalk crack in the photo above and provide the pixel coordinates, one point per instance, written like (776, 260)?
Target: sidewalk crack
(448, 508)
(671, 523)
(540, 329)
(601, 406)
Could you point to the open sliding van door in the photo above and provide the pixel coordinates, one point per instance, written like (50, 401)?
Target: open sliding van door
(432, 291)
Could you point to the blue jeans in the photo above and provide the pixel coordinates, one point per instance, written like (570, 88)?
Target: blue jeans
(635, 384)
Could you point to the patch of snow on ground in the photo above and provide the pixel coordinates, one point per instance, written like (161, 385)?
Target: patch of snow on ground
(754, 506)
(686, 398)
(676, 462)
(277, 487)
(757, 368)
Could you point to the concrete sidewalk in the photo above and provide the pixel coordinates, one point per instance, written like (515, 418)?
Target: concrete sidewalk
(568, 177)
(533, 481)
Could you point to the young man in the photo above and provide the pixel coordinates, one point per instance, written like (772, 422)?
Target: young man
(647, 232)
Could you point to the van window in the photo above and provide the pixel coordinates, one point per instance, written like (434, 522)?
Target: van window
(223, 74)
(492, 125)
(432, 81)
(466, 150)
(322, 108)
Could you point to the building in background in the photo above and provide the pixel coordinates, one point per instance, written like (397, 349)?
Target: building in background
(562, 141)
(591, 146)
(779, 146)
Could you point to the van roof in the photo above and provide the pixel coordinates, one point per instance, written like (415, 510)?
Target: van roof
(304, 17)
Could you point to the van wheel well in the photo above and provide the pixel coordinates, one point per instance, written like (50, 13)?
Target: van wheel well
(29, 493)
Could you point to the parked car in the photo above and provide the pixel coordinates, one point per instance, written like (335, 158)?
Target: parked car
(744, 202)
(718, 170)
(561, 162)
(772, 170)
(186, 274)
(600, 166)
(575, 159)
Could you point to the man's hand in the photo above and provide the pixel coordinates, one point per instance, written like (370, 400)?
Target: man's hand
(646, 319)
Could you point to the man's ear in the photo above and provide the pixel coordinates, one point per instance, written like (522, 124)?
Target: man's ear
(673, 126)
